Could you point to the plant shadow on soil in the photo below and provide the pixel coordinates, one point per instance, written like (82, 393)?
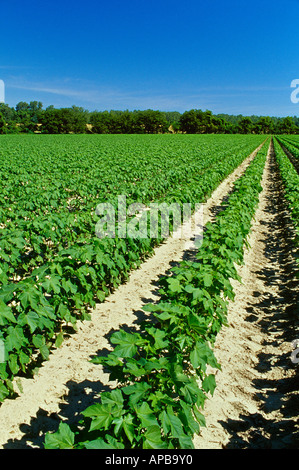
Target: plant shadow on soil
(78, 396)
(278, 318)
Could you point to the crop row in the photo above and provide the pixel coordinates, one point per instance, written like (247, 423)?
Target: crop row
(292, 139)
(45, 209)
(292, 145)
(61, 290)
(290, 180)
(162, 370)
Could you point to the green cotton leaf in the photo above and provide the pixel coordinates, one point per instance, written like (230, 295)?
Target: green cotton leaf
(187, 418)
(101, 415)
(7, 293)
(146, 415)
(64, 438)
(68, 286)
(114, 397)
(44, 351)
(6, 314)
(199, 356)
(189, 288)
(39, 273)
(125, 423)
(24, 359)
(186, 442)
(191, 392)
(197, 323)
(112, 441)
(64, 312)
(52, 284)
(209, 384)
(118, 424)
(199, 416)
(13, 363)
(207, 279)
(15, 339)
(133, 367)
(30, 297)
(40, 343)
(165, 422)
(152, 308)
(78, 301)
(177, 375)
(164, 316)
(4, 391)
(58, 268)
(129, 427)
(111, 360)
(46, 310)
(174, 285)
(202, 355)
(98, 444)
(101, 444)
(31, 319)
(196, 292)
(159, 337)
(208, 305)
(153, 439)
(153, 363)
(101, 295)
(59, 340)
(174, 423)
(136, 391)
(126, 343)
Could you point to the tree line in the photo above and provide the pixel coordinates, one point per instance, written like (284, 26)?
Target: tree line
(33, 118)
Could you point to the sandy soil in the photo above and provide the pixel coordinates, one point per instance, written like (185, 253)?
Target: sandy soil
(254, 394)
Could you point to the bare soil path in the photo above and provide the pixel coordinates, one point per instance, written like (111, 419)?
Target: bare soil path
(257, 375)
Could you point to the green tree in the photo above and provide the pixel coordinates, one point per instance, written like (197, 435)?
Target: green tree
(35, 111)
(50, 121)
(100, 122)
(173, 120)
(151, 122)
(197, 121)
(2, 125)
(190, 122)
(287, 126)
(245, 125)
(28, 115)
(7, 112)
(63, 121)
(126, 123)
(264, 125)
(22, 106)
(73, 120)
(24, 120)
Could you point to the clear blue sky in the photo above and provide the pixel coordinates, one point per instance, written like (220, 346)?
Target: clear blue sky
(234, 56)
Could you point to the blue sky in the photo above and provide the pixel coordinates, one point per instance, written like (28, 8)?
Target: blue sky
(235, 57)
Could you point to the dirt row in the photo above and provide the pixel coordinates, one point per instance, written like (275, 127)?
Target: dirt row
(254, 404)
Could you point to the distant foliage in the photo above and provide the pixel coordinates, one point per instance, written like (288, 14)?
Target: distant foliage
(32, 118)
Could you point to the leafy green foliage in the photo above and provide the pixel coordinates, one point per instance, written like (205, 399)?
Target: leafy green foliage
(290, 178)
(163, 371)
(53, 268)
